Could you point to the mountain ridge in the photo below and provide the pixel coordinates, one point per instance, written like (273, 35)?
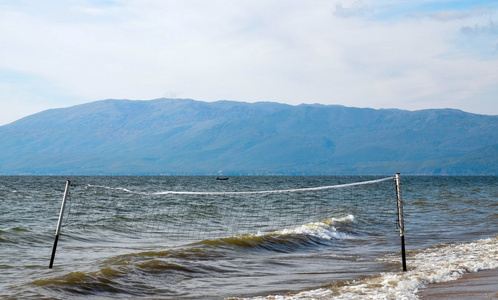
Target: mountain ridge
(185, 136)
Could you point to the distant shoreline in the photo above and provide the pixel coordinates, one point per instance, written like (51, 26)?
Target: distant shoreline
(249, 175)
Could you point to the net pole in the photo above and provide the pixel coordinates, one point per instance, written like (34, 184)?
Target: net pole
(401, 222)
(59, 224)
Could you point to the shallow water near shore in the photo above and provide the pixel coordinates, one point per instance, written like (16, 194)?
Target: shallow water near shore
(479, 285)
(194, 237)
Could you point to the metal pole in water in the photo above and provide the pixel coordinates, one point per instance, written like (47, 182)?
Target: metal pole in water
(59, 224)
(401, 222)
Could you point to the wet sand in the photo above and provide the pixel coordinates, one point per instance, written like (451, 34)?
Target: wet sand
(480, 285)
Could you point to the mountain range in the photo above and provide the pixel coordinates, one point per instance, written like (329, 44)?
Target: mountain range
(188, 137)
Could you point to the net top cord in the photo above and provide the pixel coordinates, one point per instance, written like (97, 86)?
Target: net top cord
(242, 192)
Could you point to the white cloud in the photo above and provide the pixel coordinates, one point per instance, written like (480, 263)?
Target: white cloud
(369, 54)
(16, 103)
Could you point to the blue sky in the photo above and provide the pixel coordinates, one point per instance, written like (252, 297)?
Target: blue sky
(379, 54)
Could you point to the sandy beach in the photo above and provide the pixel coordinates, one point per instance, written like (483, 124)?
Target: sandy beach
(480, 285)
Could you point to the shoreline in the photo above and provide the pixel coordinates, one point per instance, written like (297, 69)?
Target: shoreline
(478, 285)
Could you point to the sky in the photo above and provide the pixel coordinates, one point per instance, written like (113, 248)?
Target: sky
(379, 54)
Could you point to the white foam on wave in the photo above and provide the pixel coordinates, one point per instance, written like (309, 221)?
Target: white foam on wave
(323, 229)
(437, 264)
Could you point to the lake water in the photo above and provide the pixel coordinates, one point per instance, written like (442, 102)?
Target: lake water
(263, 237)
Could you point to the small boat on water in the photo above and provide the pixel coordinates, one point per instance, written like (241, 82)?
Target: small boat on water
(221, 178)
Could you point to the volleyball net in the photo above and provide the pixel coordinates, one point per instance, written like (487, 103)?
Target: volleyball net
(186, 216)
(197, 215)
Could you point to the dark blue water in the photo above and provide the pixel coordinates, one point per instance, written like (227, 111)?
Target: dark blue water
(195, 237)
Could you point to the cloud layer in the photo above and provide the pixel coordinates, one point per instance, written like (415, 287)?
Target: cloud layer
(380, 54)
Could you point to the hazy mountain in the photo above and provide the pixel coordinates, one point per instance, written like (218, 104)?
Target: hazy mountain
(180, 136)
